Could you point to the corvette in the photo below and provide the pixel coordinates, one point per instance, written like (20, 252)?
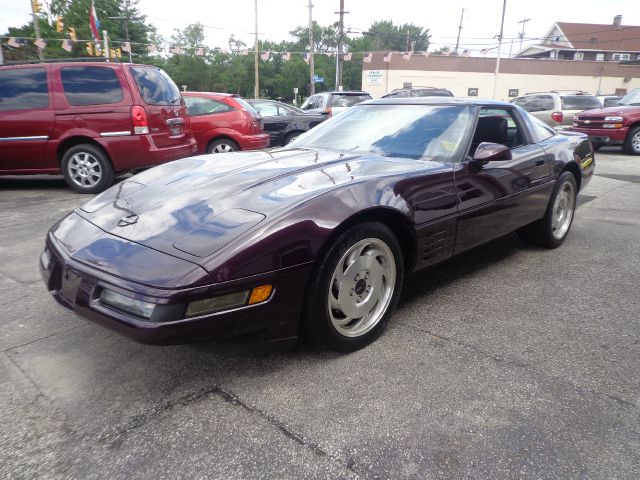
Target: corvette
(315, 238)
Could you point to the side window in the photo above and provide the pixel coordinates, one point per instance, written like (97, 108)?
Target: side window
(205, 106)
(23, 89)
(312, 102)
(266, 109)
(546, 103)
(91, 85)
(497, 125)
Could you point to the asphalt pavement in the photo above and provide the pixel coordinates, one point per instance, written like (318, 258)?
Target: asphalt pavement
(506, 362)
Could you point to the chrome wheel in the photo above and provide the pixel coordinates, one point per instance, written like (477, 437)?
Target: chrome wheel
(563, 208)
(84, 170)
(635, 142)
(222, 148)
(361, 287)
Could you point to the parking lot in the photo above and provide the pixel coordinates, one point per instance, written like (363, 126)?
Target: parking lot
(507, 362)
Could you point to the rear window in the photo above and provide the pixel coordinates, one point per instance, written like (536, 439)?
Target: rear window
(348, 100)
(245, 105)
(431, 93)
(579, 102)
(91, 85)
(205, 106)
(155, 86)
(23, 89)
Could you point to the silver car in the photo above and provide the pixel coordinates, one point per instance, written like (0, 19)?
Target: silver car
(556, 108)
(332, 103)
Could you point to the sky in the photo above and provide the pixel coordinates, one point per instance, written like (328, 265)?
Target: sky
(276, 18)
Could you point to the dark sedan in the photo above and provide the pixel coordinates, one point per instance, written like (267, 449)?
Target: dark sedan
(284, 122)
(317, 237)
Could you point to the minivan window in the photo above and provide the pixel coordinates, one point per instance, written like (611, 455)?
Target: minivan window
(155, 86)
(91, 85)
(348, 100)
(579, 102)
(23, 89)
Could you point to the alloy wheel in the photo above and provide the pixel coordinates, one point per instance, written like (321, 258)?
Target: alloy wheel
(563, 208)
(84, 169)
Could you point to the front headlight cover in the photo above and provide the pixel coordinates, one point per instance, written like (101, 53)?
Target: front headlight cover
(614, 118)
(126, 304)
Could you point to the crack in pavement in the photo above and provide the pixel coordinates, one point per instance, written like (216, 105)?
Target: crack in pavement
(618, 399)
(7, 350)
(115, 440)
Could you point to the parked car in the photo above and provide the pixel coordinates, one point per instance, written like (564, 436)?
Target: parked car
(332, 103)
(557, 107)
(89, 120)
(224, 122)
(318, 236)
(284, 122)
(619, 125)
(609, 100)
(418, 92)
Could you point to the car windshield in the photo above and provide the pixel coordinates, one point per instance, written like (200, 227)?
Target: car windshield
(631, 98)
(348, 100)
(155, 86)
(579, 102)
(436, 132)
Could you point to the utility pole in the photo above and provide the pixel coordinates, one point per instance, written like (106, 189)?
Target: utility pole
(495, 77)
(1, 55)
(459, 30)
(312, 87)
(125, 19)
(36, 27)
(523, 22)
(339, 60)
(256, 88)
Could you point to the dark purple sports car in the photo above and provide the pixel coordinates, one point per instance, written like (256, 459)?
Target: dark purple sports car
(316, 237)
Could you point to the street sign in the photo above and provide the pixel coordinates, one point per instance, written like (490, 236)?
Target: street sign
(318, 79)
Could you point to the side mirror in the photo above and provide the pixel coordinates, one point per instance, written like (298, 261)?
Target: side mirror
(491, 152)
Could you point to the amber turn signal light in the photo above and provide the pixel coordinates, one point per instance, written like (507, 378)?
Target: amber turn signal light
(260, 294)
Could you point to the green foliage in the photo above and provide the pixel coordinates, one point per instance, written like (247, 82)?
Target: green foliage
(217, 70)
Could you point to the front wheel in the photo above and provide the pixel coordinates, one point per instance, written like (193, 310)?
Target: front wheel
(87, 169)
(355, 288)
(551, 230)
(632, 142)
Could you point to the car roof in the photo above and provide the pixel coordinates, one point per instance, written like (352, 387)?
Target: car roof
(438, 101)
(209, 94)
(343, 92)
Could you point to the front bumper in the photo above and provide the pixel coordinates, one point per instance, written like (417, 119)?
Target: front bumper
(77, 287)
(604, 136)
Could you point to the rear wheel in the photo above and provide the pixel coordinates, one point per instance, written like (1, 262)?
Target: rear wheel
(87, 169)
(551, 230)
(355, 288)
(632, 142)
(291, 137)
(224, 145)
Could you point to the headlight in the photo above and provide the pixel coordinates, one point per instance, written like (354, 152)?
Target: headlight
(613, 119)
(229, 301)
(126, 304)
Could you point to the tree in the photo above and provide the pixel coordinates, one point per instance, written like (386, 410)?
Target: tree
(384, 35)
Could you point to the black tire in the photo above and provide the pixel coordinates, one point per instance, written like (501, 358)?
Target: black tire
(379, 297)
(291, 136)
(632, 142)
(223, 145)
(596, 146)
(543, 232)
(87, 168)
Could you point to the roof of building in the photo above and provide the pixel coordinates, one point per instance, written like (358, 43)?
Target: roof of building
(594, 36)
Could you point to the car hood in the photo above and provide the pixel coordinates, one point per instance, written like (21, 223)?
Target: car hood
(618, 110)
(191, 208)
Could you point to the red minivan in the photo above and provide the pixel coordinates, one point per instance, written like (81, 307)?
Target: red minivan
(224, 122)
(89, 120)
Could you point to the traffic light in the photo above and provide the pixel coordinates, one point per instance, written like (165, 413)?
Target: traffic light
(72, 33)
(89, 48)
(36, 6)
(59, 25)
(116, 53)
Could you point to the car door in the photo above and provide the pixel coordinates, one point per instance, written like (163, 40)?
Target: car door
(276, 120)
(26, 118)
(498, 197)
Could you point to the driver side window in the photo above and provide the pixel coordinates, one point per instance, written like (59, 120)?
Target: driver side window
(497, 125)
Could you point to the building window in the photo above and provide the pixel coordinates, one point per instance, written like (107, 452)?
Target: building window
(621, 56)
(578, 56)
(599, 57)
(553, 54)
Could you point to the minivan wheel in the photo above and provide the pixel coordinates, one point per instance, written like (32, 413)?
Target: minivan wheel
(354, 288)
(632, 142)
(87, 169)
(223, 146)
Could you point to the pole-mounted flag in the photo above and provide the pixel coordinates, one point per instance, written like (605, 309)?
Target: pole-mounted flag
(94, 24)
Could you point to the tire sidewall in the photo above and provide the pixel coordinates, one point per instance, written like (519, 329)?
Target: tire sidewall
(562, 179)
(222, 141)
(316, 321)
(106, 180)
(291, 137)
(628, 147)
